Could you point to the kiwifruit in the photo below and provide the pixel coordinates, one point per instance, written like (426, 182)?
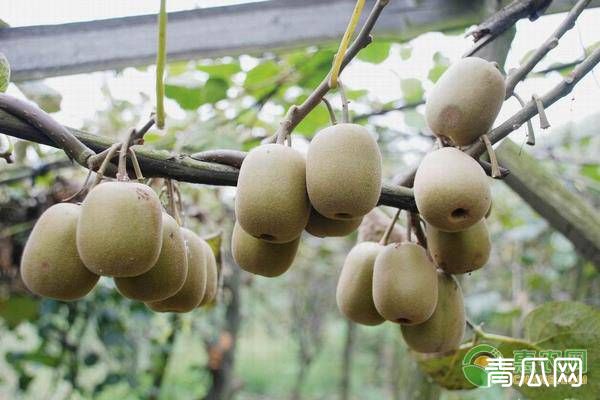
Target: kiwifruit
(212, 276)
(50, 264)
(466, 100)
(167, 276)
(354, 293)
(120, 229)
(404, 284)
(343, 171)
(451, 190)
(460, 252)
(444, 330)
(321, 226)
(271, 202)
(191, 293)
(260, 257)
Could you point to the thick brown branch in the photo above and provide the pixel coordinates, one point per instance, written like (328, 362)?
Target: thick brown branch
(44, 123)
(514, 77)
(12, 175)
(502, 20)
(297, 113)
(233, 158)
(180, 167)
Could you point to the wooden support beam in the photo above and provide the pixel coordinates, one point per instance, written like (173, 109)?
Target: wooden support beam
(180, 167)
(43, 51)
(547, 195)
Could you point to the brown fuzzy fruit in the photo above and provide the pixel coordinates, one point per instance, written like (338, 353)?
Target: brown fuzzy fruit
(321, 226)
(259, 257)
(50, 264)
(354, 289)
(271, 202)
(191, 293)
(404, 284)
(466, 100)
(167, 276)
(343, 172)
(212, 276)
(120, 229)
(460, 252)
(444, 330)
(451, 190)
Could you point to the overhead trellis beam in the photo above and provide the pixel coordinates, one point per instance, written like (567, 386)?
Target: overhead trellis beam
(43, 51)
(545, 193)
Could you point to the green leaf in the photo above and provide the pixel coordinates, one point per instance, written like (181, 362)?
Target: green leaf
(375, 53)
(4, 73)
(591, 171)
(561, 326)
(214, 90)
(446, 369)
(260, 79)
(414, 119)
(191, 94)
(221, 70)
(177, 68)
(405, 52)
(356, 94)
(47, 98)
(553, 326)
(189, 97)
(412, 90)
(17, 309)
(313, 67)
(318, 118)
(440, 65)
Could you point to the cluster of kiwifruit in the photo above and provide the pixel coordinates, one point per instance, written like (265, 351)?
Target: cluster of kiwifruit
(121, 231)
(281, 193)
(404, 282)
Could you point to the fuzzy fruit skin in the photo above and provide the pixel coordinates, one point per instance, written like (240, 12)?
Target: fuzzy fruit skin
(271, 201)
(212, 276)
(466, 100)
(451, 190)
(167, 276)
(321, 226)
(445, 329)
(343, 171)
(50, 264)
(119, 232)
(354, 294)
(404, 284)
(259, 257)
(460, 252)
(191, 293)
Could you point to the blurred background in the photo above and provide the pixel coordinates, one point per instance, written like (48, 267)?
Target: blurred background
(283, 337)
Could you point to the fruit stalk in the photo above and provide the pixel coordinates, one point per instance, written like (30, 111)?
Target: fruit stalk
(530, 133)
(345, 111)
(386, 235)
(337, 61)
